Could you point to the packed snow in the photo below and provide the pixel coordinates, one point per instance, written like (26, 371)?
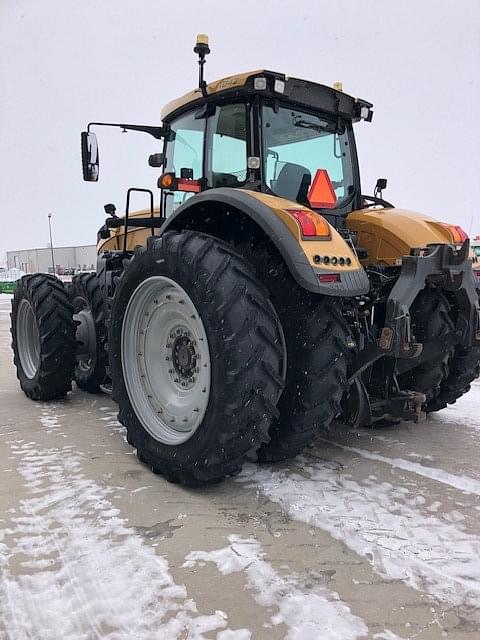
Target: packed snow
(72, 567)
(381, 523)
(85, 572)
(308, 616)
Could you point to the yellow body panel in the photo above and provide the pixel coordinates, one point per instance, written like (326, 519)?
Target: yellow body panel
(135, 236)
(386, 234)
(389, 234)
(335, 246)
(230, 82)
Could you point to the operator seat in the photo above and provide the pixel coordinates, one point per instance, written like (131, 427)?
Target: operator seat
(293, 182)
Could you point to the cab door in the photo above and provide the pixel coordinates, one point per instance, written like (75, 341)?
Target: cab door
(226, 146)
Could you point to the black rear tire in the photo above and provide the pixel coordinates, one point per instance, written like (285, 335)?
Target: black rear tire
(246, 356)
(86, 295)
(431, 322)
(316, 336)
(48, 376)
(464, 368)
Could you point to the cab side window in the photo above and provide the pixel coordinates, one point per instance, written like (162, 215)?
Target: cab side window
(227, 146)
(184, 151)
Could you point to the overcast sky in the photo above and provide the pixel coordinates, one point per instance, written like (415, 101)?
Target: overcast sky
(66, 62)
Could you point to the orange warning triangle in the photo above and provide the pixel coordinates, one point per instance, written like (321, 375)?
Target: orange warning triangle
(322, 194)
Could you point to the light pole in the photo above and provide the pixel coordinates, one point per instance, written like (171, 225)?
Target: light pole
(51, 241)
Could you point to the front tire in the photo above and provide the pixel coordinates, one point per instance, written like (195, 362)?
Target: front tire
(188, 301)
(43, 337)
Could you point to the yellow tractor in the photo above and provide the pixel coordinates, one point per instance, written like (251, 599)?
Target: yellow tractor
(264, 296)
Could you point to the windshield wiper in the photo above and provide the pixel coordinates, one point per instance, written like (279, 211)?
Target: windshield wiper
(305, 124)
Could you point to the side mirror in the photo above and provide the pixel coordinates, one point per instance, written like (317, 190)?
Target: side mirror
(90, 160)
(156, 160)
(110, 210)
(379, 187)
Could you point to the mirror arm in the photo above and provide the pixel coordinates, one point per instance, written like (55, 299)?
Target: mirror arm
(156, 132)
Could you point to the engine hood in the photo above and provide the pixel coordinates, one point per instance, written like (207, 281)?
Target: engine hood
(389, 234)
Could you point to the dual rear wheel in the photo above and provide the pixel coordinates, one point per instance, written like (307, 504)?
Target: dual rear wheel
(207, 364)
(447, 376)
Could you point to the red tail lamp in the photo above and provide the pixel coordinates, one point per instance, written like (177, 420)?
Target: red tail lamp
(458, 234)
(311, 224)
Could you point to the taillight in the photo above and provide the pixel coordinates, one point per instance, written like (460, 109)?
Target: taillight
(311, 224)
(458, 234)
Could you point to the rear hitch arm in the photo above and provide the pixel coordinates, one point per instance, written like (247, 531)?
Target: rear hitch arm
(440, 265)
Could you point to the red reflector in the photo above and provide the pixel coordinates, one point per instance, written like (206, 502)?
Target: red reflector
(184, 184)
(321, 194)
(329, 277)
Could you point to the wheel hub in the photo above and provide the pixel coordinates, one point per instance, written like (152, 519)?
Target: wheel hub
(28, 339)
(184, 356)
(85, 336)
(85, 333)
(165, 360)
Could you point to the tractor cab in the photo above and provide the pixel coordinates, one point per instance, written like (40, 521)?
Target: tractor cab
(265, 132)
(260, 131)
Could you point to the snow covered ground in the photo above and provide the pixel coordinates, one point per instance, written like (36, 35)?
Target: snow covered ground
(370, 534)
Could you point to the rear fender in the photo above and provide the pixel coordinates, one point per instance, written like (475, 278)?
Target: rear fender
(304, 258)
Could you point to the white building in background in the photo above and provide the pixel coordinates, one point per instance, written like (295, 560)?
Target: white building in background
(83, 258)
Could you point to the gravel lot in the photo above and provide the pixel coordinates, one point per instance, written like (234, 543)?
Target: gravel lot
(371, 534)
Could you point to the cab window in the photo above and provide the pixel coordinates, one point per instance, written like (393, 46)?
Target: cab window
(227, 146)
(296, 145)
(184, 151)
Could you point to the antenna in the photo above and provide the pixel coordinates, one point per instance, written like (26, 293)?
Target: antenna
(202, 48)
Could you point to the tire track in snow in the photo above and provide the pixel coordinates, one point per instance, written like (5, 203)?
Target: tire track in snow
(376, 521)
(308, 616)
(463, 483)
(87, 574)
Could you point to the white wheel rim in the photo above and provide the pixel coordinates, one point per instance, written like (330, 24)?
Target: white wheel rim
(165, 360)
(28, 339)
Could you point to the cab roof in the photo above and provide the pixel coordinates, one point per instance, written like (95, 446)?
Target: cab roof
(277, 86)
